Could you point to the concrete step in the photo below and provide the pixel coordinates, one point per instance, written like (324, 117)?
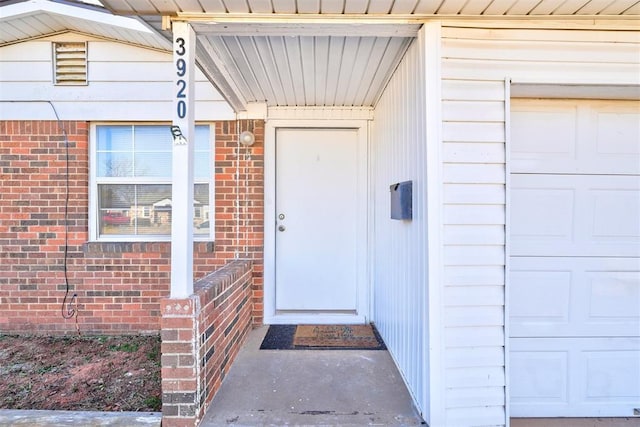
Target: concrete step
(33, 418)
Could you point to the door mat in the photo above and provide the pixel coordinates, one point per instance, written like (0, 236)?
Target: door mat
(322, 337)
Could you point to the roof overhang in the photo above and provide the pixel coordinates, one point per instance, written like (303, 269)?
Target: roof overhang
(336, 52)
(25, 20)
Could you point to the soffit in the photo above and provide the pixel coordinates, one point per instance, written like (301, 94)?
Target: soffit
(512, 8)
(307, 70)
(24, 20)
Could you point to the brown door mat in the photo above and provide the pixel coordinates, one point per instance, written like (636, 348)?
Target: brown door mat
(322, 337)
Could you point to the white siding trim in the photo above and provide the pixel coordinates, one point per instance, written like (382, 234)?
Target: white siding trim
(551, 91)
(371, 228)
(316, 113)
(434, 336)
(507, 245)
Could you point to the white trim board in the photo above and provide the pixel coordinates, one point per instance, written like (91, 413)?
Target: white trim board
(507, 248)
(435, 341)
(564, 91)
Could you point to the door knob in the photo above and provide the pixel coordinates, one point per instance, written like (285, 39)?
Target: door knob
(281, 228)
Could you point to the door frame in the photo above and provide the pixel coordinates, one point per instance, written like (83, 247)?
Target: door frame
(363, 283)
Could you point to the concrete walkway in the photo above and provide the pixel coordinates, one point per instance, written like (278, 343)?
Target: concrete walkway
(311, 387)
(9, 417)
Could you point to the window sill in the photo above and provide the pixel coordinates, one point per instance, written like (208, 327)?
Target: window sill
(113, 247)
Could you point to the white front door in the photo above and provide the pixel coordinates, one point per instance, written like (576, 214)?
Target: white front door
(320, 223)
(575, 258)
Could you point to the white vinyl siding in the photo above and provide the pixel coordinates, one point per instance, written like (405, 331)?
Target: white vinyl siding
(399, 264)
(125, 83)
(475, 64)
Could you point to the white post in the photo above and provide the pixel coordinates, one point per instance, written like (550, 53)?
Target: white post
(182, 178)
(431, 33)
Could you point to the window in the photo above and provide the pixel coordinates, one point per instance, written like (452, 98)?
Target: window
(131, 174)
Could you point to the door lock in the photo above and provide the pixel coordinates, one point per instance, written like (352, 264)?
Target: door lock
(281, 228)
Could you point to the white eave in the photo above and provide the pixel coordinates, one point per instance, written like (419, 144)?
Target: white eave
(337, 53)
(24, 20)
(416, 8)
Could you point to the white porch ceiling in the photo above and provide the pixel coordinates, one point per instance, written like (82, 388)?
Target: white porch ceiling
(306, 70)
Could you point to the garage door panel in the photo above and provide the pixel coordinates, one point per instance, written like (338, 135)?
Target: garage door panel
(606, 372)
(617, 133)
(539, 300)
(575, 376)
(541, 215)
(578, 137)
(542, 376)
(574, 297)
(574, 266)
(575, 215)
(540, 135)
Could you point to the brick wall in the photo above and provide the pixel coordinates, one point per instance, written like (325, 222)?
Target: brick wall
(201, 336)
(248, 238)
(119, 285)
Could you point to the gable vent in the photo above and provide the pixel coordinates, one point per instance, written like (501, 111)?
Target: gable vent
(70, 63)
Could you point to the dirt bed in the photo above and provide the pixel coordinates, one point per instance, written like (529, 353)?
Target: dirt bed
(80, 373)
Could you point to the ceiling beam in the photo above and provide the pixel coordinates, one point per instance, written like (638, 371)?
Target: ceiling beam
(213, 68)
(214, 28)
(250, 24)
(370, 19)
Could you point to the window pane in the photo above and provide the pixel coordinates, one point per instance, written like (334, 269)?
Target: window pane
(153, 138)
(202, 153)
(156, 199)
(202, 165)
(201, 209)
(153, 148)
(153, 165)
(114, 205)
(114, 164)
(202, 139)
(115, 138)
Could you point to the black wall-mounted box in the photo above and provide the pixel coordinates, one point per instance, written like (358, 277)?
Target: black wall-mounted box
(401, 200)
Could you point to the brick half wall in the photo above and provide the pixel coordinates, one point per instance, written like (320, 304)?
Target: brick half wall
(201, 336)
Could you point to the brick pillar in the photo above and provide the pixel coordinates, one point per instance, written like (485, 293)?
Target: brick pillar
(180, 370)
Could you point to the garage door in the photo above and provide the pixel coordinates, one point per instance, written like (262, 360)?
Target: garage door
(575, 258)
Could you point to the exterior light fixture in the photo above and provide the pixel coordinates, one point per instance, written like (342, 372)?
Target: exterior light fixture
(247, 138)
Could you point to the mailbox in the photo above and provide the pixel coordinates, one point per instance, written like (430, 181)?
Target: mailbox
(401, 200)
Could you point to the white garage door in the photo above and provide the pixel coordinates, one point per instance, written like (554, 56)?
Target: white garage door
(575, 258)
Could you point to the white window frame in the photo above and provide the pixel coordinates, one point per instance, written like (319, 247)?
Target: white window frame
(94, 228)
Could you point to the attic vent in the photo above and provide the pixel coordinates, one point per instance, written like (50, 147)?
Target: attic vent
(70, 63)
